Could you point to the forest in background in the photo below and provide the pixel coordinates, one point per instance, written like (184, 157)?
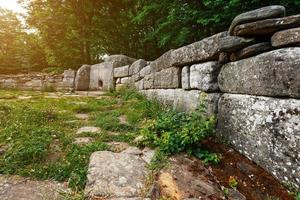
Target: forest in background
(62, 34)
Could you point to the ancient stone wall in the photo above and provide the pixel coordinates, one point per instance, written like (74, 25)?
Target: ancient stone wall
(250, 78)
(39, 81)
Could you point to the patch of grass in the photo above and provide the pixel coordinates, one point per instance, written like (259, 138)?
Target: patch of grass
(39, 139)
(48, 88)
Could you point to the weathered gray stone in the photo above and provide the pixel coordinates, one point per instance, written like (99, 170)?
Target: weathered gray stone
(19, 188)
(286, 37)
(258, 14)
(82, 80)
(148, 155)
(149, 81)
(9, 83)
(205, 76)
(69, 78)
(88, 129)
(125, 80)
(167, 78)
(275, 73)
(266, 130)
(251, 51)
(234, 43)
(207, 49)
(101, 76)
(164, 61)
(119, 60)
(185, 78)
(82, 116)
(34, 84)
(115, 175)
(83, 140)
(185, 100)
(145, 71)
(121, 71)
(139, 85)
(267, 26)
(137, 66)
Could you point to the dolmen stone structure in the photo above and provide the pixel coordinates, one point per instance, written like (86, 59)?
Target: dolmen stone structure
(247, 77)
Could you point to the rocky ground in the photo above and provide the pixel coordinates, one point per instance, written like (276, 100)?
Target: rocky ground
(114, 168)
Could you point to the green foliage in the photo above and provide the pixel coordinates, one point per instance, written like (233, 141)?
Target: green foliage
(174, 132)
(233, 182)
(297, 196)
(19, 51)
(206, 156)
(179, 22)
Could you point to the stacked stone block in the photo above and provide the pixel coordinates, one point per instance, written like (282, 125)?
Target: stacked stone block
(39, 81)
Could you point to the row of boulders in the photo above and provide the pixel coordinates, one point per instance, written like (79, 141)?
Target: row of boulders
(39, 81)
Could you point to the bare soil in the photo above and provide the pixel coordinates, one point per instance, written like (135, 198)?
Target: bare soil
(253, 181)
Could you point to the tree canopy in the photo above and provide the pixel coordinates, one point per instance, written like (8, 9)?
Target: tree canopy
(69, 33)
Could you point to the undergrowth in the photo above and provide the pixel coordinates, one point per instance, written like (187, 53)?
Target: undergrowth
(38, 133)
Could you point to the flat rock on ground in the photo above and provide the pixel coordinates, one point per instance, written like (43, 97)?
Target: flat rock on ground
(19, 188)
(82, 116)
(116, 175)
(83, 140)
(88, 129)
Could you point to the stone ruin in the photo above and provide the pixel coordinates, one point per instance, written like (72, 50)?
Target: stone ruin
(248, 76)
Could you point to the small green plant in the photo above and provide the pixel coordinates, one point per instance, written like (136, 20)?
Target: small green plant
(206, 156)
(174, 132)
(233, 182)
(225, 192)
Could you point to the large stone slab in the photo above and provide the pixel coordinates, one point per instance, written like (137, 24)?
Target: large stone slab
(69, 78)
(286, 37)
(207, 49)
(234, 43)
(275, 73)
(251, 51)
(82, 80)
(258, 14)
(185, 100)
(266, 130)
(119, 60)
(19, 188)
(266, 27)
(167, 78)
(115, 175)
(137, 66)
(121, 71)
(205, 76)
(164, 61)
(101, 76)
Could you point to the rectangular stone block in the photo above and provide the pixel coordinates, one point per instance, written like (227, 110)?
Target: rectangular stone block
(266, 130)
(121, 71)
(204, 76)
(167, 78)
(185, 100)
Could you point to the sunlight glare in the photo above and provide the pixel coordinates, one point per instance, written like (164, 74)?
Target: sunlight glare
(12, 5)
